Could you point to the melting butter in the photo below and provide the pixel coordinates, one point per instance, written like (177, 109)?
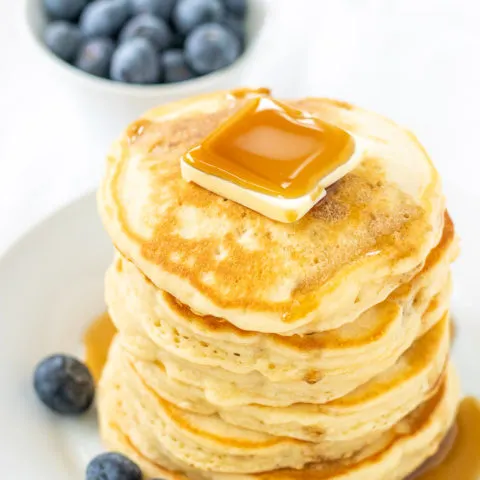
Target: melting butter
(272, 158)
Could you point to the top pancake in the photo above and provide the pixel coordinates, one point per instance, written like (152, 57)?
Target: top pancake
(371, 232)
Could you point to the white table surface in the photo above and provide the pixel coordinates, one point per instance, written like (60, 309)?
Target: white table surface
(417, 61)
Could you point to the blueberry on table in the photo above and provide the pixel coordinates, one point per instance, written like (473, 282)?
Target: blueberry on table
(189, 14)
(175, 67)
(211, 47)
(136, 61)
(63, 39)
(237, 7)
(95, 55)
(64, 384)
(147, 26)
(64, 9)
(112, 466)
(159, 8)
(104, 18)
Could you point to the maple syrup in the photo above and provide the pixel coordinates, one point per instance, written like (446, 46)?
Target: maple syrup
(462, 462)
(273, 148)
(97, 340)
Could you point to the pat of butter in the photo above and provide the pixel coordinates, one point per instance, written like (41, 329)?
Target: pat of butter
(273, 158)
(286, 210)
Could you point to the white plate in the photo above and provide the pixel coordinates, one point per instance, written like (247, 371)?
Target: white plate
(51, 287)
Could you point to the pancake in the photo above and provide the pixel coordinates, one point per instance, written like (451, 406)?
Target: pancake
(250, 349)
(375, 406)
(393, 455)
(225, 388)
(370, 234)
(389, 327)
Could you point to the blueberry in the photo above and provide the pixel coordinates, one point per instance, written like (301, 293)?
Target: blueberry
(237, 7)
(189, 14)
(174, 66)
(63, 39)
(159, 8)
(236, 25)
(112, 466)
(211, 47)
(147, 26)
(64, 9)
(104, 18)
(64, 384)
(95, 55)
(136, 61)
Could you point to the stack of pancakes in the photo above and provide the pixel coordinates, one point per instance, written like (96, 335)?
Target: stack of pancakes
(248, 348)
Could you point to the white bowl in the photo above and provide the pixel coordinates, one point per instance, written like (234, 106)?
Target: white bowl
(120, 102)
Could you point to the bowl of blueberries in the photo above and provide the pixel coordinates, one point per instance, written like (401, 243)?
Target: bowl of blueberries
(159, 50)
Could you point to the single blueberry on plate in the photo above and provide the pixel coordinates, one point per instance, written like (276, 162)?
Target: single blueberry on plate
(64, 9)
(175, 67)
(136, 61)
(63, 39)
(236, 25)
(159, 8)
(211, 47)
(112, 466)
(147, 26)
(237, 7)
(95, 55)
(104, 18)
(189, 14)
(64, 384)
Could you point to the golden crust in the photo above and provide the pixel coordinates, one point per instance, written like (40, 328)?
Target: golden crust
(444, 251)
(379, 334)
(222, 258)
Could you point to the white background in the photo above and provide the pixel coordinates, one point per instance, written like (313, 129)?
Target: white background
(414, 60)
